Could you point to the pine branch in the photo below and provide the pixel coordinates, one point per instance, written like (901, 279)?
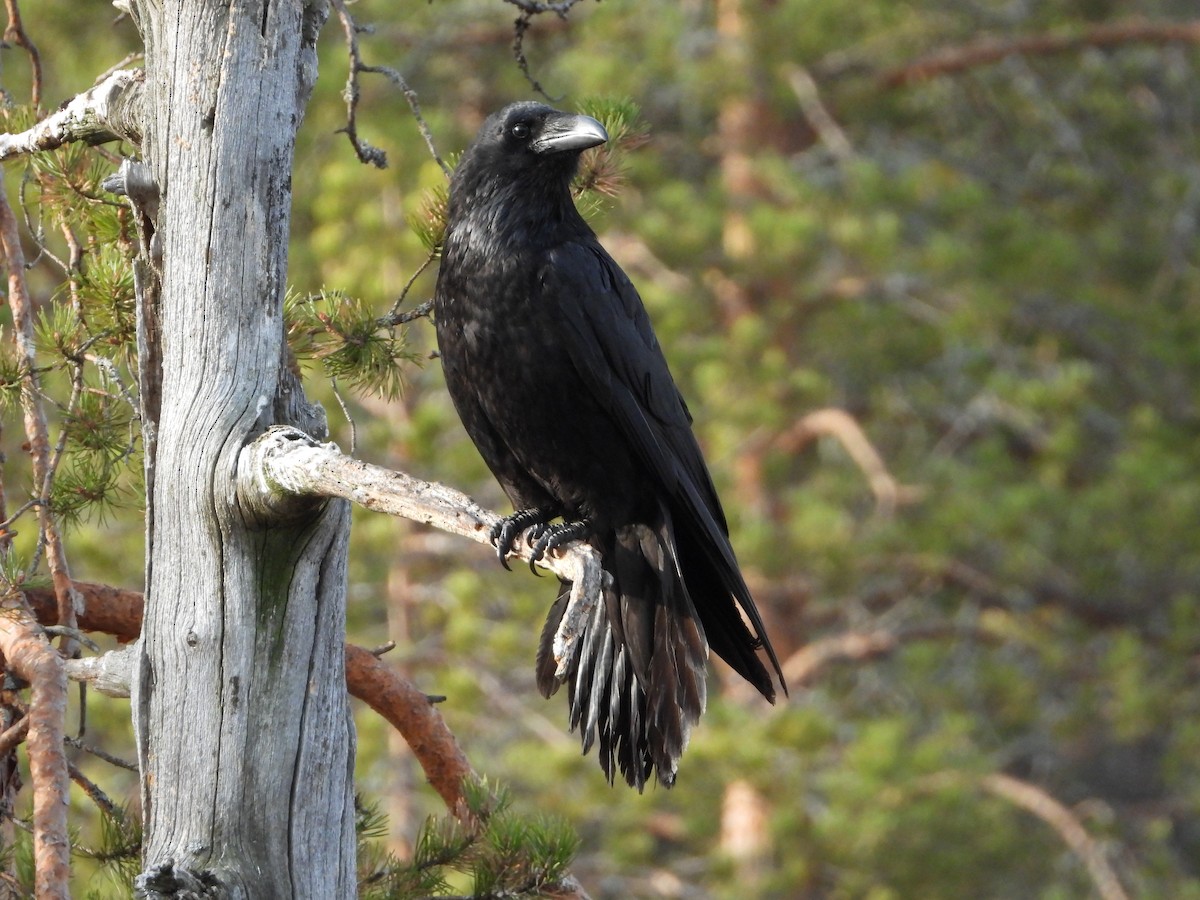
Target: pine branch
(989, 51)
(411, 713)
(14, 35)
(118, 612)
(30, 655)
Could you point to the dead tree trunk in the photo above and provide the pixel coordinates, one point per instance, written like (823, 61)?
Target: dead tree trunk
(244, 735)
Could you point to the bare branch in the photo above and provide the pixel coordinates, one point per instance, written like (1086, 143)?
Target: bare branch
(837, 423)
(110, 111)
(394, 316)
(365, 152)
(101, 754)
(285, 466)
(808, 96)
(529, 9)
(14, 33)
(988, 51)
(533, 8)
(1035, 800)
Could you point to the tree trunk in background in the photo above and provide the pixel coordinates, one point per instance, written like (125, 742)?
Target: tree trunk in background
(243, 729)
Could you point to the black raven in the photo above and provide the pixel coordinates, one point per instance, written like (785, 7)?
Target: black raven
(559, 380)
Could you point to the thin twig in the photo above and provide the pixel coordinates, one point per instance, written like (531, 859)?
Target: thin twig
(365, 152)
(98, 796)
(408, 286)
(341, 402)
(135, 56)
(413, 104)
(21, 510)
(803, 666)
(808, 96)
(15, 34)
(529, 9)
(417, 312)
(534, 8)
(101, 754)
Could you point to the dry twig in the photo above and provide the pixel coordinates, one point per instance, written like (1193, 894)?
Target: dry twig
(14, 33)
(365, 152)
(860, 646)
(889, 493)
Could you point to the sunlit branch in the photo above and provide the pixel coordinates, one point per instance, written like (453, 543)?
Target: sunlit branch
(109, 111)
(284, 468)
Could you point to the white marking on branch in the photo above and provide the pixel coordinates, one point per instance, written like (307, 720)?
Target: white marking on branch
(284, 464)
(103, 113)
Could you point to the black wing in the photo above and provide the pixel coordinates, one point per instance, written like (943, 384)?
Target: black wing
(608, 336)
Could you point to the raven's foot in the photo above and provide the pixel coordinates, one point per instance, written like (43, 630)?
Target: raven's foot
(555, 536)
(504, 533)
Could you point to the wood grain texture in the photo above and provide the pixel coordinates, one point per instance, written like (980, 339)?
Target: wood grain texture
(243, 728)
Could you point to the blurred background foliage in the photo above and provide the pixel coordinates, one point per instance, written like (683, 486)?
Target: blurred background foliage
(991, 274)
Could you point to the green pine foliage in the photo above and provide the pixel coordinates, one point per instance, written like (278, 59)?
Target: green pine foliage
(349, 340)
(496, 853)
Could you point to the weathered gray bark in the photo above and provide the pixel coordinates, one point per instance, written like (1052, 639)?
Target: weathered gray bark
(243, 728)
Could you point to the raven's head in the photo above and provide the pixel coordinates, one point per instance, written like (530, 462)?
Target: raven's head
(531, 139)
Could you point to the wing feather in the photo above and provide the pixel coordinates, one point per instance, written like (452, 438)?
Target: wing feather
(616, 354)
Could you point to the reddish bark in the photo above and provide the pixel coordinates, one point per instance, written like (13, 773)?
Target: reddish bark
(988, 51)
(30, 655)
(119, 613)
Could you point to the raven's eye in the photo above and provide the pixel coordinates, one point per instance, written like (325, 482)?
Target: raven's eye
(520, 131)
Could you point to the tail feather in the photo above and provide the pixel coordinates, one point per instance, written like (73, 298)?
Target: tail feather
(636, 681)
(711, 585)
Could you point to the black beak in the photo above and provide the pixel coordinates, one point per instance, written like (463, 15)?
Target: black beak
(568, 132)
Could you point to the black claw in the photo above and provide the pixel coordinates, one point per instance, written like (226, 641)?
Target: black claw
(553, 537)
(505, 532)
